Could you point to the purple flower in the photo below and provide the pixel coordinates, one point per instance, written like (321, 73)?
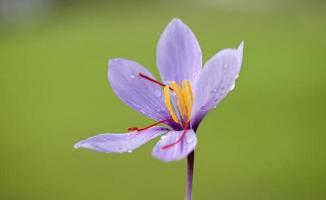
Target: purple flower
(187, 94)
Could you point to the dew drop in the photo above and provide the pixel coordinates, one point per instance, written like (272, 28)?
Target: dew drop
(203, 108)
(163, 137)
(158, 93)
(232, 86)
(114, 60)
(186, 30)
(214, 91)
(129, 151)
(132, 76)
(159, 109)
(223, 91)
(189, 140)
(166, 82)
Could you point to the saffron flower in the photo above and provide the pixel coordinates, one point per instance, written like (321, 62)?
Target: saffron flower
(179, 103)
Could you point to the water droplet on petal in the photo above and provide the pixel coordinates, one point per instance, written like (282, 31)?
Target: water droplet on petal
(166, 82)
(158, 93)
(158, 109)
(114, 60)
(232, 86)
(214, 91)
(163, 137)
(129, 151)
(186, 30)
(189, 140)
(203, 108)
(222, 90)
(132, 76)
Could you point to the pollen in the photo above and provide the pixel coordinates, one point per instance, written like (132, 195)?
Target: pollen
(184, 99)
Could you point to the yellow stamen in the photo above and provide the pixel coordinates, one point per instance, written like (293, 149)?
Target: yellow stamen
(187, 91)
(184, 98)
(168, 103)
(180, 100)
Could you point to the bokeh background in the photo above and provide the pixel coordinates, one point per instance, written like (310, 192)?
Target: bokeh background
(266, 140)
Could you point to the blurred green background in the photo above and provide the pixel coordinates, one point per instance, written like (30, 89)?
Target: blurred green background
(266, 140)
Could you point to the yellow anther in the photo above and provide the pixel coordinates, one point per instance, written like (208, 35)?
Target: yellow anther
(184, 100)
(168, 103)
(180, 100)
(188, 97)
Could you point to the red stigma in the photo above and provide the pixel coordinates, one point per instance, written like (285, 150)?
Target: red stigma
(152, 80)
(132, 129)
(147, 127)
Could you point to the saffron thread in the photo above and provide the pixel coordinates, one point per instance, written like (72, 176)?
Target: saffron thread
(149, 126)
(152, 80)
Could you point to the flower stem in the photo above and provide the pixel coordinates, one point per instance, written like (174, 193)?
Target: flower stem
(190, 172)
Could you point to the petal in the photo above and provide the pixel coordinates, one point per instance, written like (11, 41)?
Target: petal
(142, 95)
(177, 151)
(178, 53)
(216, 81)
(120, 143)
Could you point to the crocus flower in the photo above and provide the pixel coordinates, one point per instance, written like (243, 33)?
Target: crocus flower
(177, 104)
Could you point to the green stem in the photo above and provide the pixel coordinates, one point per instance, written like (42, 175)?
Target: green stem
(190, 173)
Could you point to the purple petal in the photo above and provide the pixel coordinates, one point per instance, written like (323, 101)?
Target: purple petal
(178, 53)
(177, 151)
(216, 81)
(142, 95)
(120, 143)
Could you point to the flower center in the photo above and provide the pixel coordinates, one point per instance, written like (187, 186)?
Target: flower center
(180, 104)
